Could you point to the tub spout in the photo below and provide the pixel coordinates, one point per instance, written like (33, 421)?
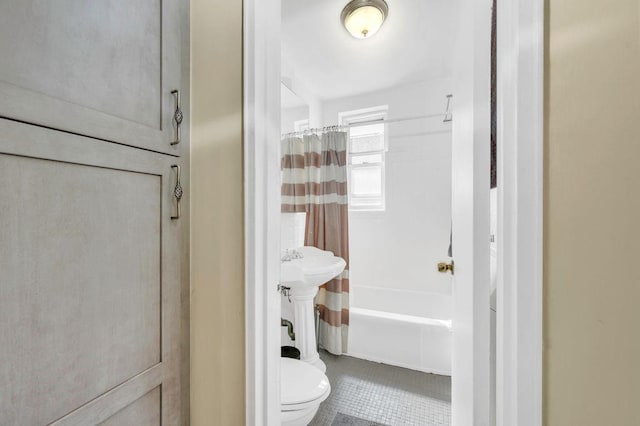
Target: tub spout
(289, 325)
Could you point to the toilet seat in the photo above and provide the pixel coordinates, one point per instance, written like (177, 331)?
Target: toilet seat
(301, 383)
(303, 387)
(305, 405)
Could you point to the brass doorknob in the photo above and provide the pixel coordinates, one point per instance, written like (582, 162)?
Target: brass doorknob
(444, 267)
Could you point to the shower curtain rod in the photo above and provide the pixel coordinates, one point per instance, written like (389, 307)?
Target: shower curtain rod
(448, 117)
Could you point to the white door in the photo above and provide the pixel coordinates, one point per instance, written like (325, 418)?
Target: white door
(470, 211)
(103, 68)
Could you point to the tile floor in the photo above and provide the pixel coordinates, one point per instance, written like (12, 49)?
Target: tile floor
(384, 394)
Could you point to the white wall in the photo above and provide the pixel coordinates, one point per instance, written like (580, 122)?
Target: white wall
(297, 83)
(289, 116)
(292, 230)
(394, 253)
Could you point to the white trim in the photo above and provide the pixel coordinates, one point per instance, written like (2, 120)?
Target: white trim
(520, 212)
(261, 102)
(470, 156)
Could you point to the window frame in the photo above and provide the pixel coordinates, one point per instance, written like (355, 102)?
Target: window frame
(346, 118)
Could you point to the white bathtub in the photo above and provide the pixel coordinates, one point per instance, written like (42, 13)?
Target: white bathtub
(403, 328)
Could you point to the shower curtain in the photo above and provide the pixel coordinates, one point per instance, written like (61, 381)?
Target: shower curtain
(314, 172)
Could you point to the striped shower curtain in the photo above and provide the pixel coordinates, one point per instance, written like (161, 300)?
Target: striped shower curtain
(314, 172)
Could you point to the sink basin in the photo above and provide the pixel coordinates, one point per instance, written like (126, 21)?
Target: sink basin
(308, 251)
(315, 269)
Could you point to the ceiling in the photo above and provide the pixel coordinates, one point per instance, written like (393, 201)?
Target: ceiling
(414, 44)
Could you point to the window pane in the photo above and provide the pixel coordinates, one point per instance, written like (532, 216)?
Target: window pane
(367, 138)
(370, 129)
(367, 143)
(366, 159)
(366, 181)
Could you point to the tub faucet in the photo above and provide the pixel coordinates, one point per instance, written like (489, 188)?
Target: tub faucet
(289, 325)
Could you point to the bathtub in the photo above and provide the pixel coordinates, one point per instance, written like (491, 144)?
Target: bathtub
(408, 329)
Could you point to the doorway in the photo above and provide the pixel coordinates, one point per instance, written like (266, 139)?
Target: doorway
(470, 397)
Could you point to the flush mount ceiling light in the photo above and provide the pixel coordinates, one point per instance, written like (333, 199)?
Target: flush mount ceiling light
(363, 18)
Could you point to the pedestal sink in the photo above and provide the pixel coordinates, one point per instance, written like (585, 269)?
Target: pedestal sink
(303, 276)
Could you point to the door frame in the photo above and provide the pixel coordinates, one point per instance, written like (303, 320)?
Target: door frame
(520, 113)
(261, 123)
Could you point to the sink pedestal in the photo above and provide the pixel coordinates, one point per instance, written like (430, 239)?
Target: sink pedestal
(304, 274)
(302, 299)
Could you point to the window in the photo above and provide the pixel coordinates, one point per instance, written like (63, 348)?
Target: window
(367, 146)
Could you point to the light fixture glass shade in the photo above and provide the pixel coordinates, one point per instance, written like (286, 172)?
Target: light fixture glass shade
(363, 18)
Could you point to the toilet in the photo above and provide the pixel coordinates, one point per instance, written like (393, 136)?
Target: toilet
(302, 388)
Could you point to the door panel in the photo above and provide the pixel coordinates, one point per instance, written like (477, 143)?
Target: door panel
(143, 412)
(111, 45)
(103, 68)
(90, 288)
(84, 281)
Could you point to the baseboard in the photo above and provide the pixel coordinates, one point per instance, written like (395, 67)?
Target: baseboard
(398, 364)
